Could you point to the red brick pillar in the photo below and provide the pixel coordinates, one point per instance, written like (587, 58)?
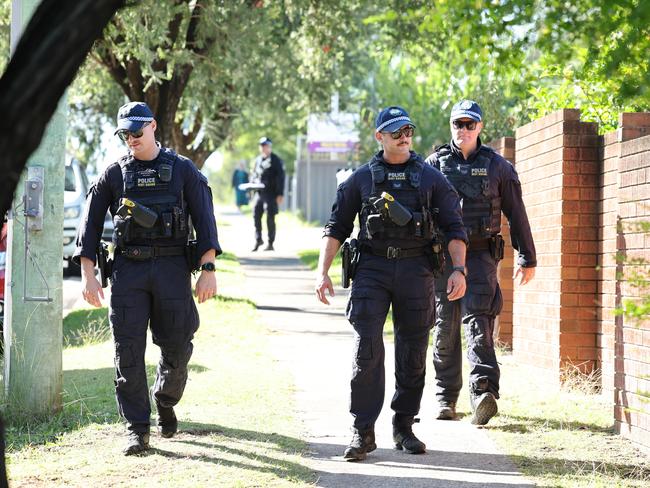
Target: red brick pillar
(631, 126)
(631, 358)
(505, 146)
(554, 322)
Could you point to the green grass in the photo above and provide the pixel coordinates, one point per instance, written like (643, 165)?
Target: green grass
(236, 403)
(563, 438)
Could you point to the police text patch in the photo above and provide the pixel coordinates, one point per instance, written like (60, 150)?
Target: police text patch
(146, 181)
(401, 176)
(479, 171)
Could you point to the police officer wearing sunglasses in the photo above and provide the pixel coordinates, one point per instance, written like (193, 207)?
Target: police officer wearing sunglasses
(488, 185)
(394, 269)
(152, 193)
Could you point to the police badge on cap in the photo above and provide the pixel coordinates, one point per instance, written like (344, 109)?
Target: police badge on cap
(132, 116)
(466, 109)
(391, 119)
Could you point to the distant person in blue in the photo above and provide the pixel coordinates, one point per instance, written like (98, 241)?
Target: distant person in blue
(240, 176)
(152, 193)
(396, 268)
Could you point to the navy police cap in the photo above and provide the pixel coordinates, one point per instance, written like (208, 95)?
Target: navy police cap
(391, 119)
(264, 141)
(132, 116)
(466, 109)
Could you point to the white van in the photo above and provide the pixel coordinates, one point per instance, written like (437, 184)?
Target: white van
(76, 188)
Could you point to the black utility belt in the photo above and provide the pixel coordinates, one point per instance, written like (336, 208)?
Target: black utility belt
(396, 252)
(479, 244)
(494, 244)
(147, 252)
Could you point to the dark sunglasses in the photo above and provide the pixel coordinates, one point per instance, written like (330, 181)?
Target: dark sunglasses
(469, 124)
(124, 134)
(404, 131)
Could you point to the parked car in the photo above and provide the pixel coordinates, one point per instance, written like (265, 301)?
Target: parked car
(76, 187)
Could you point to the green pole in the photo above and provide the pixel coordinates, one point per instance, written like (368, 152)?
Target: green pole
(33, 327)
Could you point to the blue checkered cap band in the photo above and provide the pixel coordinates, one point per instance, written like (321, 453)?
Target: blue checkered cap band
(392, 121)
(466, 109)
(140, 119)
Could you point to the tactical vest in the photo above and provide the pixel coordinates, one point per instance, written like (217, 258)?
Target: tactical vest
(404, 186)
(481, 214)
(149, 185)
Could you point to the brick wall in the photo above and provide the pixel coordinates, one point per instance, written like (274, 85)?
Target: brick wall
(632, 337)
(554, 321)
(584, 194)
(503, 325)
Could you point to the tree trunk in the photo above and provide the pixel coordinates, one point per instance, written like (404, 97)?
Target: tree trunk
(51, 50)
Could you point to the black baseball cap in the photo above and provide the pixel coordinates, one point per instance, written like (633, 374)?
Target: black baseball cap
(466, 109)
(132, 116)
(391, 119)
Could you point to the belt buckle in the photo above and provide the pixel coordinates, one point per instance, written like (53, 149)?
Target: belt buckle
(393, 252)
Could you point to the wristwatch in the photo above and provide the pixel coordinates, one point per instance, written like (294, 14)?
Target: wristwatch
(208, 267)
(460, 269)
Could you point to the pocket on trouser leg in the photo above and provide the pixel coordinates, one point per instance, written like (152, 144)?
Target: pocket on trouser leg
(418, 315)
(497, 303)
(124, 364)
(479, 299)
(362, 306)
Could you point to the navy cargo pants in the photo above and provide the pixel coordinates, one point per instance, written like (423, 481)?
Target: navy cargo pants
(153, 293)
(261, 203)
(407, 285)
(476, 310)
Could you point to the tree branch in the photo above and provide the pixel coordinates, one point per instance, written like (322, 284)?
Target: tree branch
(51, 50)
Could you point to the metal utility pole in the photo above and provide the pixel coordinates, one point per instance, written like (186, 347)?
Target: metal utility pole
(33, 314)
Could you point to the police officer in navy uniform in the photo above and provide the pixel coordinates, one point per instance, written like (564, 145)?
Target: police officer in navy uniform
(395, 269)
(488, 185)
(151, 283)
(269, 170)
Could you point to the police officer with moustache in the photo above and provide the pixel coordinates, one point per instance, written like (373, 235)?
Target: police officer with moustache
(269, 170)
(151, 193)
(395, 268)
(488, 185)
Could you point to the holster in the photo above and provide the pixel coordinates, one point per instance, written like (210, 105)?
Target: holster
(497, 247)
(192, 256)
(350, 255)
(104, 264)
(437, 257)
(346, 262)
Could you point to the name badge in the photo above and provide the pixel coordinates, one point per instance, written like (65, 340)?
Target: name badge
(146, 182)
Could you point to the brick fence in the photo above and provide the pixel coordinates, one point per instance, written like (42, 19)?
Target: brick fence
(584, 195)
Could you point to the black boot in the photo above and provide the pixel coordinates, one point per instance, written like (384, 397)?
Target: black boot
(257, 245)
(167, 422)
(269, 247)
(447, 411)
(483, 402)
(363, 442)
(136, 443)
(484, 407)
(404, 437)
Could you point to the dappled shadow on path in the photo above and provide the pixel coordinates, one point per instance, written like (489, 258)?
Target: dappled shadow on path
(435, 468)
(238, 448)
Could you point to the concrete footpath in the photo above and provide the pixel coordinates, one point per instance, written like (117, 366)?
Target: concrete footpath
(314, 341)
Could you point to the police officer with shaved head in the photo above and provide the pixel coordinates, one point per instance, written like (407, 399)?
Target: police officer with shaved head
(269, 171)
(398, 199)
(151, 193)
(488, 185)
